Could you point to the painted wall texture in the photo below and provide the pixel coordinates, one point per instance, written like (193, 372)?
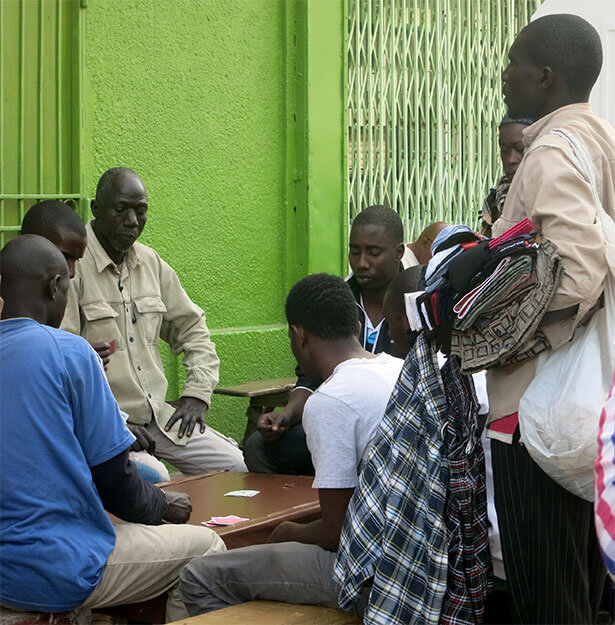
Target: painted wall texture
(192, 95)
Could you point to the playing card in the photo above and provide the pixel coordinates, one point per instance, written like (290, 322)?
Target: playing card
(242, 493)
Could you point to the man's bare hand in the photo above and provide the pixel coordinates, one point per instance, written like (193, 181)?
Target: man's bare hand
(191, 411)
(272, 425)
(179, 507)
(104, 351)
(284, 532)
(145, 441)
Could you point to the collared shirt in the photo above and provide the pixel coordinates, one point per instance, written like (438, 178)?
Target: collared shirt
(549, 189)
(424, 547)
(409, 259)
(136, 304)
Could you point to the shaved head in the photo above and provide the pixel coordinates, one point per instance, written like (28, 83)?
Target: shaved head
(421, 248)
(34, 279)
(30, 257)
(432, 231)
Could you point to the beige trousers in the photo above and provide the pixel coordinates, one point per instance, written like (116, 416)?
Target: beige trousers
(203, 453)
(146, 562)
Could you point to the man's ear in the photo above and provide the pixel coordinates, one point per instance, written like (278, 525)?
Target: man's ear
(94, 208)
(546, 78)
(297, 334)
(399, 252)
(52, 287)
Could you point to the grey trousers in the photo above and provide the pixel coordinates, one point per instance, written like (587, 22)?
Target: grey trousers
(290, 572)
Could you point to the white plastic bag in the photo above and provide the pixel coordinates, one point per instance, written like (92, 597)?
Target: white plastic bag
(560, 411)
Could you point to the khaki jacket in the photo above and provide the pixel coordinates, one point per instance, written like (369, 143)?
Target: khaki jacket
(135, 305)
(549, 189)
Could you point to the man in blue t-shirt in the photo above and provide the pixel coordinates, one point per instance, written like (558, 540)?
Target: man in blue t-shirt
(64, 461)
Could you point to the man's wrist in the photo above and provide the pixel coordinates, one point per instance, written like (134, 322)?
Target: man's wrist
(204, 401)
(166, 502)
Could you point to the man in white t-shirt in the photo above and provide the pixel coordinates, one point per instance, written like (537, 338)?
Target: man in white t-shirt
(339, 419)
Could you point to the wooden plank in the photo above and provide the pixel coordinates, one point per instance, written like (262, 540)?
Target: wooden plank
(257, 388)
(273, 613)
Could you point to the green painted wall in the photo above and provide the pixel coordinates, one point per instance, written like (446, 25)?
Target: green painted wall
(193, 95)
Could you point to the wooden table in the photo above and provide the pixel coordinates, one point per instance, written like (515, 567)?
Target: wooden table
(264, 395)
(281, 498)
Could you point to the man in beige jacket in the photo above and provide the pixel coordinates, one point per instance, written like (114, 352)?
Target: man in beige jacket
(122, 300)
(551, 556)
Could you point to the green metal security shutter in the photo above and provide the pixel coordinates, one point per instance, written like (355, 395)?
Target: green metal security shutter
(424, 102)
(40, 96)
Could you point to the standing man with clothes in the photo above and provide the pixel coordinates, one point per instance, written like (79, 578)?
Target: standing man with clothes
(551, 556)
(123, 292)
(376, 256)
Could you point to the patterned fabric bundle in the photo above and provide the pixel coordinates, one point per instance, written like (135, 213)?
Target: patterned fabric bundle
(484, 299)
(503, 327)
(416, 526)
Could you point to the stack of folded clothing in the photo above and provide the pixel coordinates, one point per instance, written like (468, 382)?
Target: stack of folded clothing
(488, 295)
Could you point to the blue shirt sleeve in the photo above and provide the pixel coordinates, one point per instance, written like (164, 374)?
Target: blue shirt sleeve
(99, 427)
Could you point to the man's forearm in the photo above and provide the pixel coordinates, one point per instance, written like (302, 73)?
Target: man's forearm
(125, 494)
(313, 533)
(296, 402)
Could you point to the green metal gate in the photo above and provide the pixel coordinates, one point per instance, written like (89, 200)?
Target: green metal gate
(40, 96)
(424, 102)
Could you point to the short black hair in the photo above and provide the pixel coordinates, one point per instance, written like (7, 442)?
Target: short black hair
(49, 216)
(28, 258)
(406, 281)
(109, 179)
(381, 215)
(569, 44)
(324, 305)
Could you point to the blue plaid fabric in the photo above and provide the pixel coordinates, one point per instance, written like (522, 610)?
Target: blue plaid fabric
(469, 560)
(395, 535)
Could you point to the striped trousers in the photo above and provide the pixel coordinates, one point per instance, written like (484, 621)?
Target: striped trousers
(551, 557)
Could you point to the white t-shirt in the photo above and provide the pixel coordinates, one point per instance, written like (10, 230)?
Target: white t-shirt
(341, 416)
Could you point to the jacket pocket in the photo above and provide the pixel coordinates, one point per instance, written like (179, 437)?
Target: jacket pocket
(150, 310)
(100, 325)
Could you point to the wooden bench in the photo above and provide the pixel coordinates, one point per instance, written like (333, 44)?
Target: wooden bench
(273, 613)
(264, 396)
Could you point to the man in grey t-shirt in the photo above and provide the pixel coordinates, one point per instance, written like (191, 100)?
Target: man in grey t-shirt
(340, 419)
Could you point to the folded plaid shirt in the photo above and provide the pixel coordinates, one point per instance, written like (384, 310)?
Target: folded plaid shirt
(395, 534)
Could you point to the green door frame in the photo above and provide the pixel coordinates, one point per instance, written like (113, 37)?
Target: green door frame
(317, 138)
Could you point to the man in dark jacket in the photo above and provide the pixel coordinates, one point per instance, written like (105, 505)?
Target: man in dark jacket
(376, 251)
